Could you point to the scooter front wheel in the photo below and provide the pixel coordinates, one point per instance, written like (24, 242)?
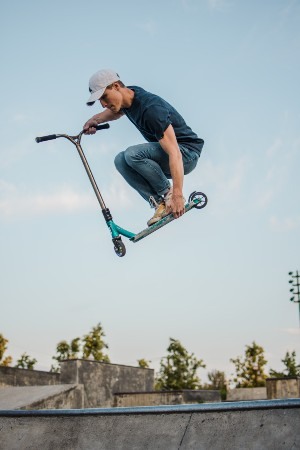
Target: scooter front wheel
(201, 199)
(119, 247)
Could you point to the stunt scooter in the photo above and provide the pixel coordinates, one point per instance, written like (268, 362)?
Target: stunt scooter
(196, 200)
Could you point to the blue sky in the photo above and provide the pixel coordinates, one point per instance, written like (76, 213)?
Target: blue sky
(217, 278)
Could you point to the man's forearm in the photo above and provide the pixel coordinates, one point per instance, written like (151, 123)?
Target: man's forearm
(170, 146)
(106, 116)
(176, 169)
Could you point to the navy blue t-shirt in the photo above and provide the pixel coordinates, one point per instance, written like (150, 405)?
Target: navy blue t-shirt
(152, 115)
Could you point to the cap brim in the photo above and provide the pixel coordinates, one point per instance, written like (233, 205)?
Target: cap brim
(95, 96)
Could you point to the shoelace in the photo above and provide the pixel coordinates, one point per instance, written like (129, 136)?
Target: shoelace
(153, 203)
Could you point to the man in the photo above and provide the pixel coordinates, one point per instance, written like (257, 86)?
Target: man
(172, 149)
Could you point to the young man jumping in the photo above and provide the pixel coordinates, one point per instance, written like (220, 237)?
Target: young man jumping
(172, 149)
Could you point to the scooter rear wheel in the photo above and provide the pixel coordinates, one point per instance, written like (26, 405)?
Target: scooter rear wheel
(119, 247)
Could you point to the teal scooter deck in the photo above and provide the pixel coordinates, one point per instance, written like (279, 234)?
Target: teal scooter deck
(164, 221)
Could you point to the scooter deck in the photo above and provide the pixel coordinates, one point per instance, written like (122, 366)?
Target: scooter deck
(164, 221)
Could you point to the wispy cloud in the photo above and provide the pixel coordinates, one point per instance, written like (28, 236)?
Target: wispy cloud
(194, 5)
(11, 154)
(218, 4)
(20, 117)
(227, 182)
(284, 224)
(276, 162)
(274, 148)
(148, 27)
(292, 331)
(15, 203)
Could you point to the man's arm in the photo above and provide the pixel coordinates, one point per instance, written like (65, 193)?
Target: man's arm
(105, 116)
(170, 146)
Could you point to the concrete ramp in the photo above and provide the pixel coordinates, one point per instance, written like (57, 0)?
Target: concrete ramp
(260, 425)
(41, 397)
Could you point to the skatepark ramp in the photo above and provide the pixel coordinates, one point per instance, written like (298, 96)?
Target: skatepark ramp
(261, 425)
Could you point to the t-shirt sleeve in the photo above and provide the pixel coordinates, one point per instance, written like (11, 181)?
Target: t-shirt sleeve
(157, 119)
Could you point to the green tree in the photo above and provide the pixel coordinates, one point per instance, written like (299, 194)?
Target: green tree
(178, 370)
(292, 369)
(66, 351)
(3, 347)
(93, 344)
(250, 368)
(25, 362)
(217, 381)
(143, 363)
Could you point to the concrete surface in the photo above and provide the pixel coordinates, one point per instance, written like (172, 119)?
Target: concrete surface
(11, 376)
(287, 387)
(246, 394)
(102, 380)
(260, 425)
(157, 398)
(41, 397)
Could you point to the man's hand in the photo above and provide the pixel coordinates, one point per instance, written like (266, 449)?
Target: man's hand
(90, 126)
(176, 205)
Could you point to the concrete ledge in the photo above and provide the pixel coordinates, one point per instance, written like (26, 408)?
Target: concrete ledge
(156, 398)
(41, 397)
(247, 425)
(12, 376)
(287, 387)
(173, 409)
(244, 394)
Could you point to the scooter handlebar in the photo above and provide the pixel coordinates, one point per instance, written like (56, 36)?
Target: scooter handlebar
(54, 136)
(102, 127)
(45, 138)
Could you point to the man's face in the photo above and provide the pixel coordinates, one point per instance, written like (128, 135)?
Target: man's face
(112, 98)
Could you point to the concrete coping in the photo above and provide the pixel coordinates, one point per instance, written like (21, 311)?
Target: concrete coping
(174, 409)
(283, 378)
(105, 363)
(181, 391)
(19, 369)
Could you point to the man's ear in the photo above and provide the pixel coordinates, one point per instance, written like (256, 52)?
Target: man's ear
(116, 86)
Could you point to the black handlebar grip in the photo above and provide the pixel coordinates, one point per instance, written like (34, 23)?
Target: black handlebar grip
(102, 127)
(45, 138)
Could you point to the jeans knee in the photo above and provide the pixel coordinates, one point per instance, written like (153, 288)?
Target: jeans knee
(130, 155)
(119, 161)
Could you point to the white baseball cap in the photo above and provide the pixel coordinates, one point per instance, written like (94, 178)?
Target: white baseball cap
(99, 82)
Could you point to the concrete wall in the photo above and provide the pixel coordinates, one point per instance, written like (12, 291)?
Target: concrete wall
(102, 380)
(11, 376)
(61, 396)
(148, 399)
(165, 398)
(288, 387)
(201, 396)
(265, 425)
(244, 394)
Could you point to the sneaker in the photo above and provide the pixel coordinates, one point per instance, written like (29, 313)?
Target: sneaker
(168, 197)
(160, 212)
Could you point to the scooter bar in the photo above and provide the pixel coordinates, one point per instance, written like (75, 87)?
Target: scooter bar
(45, 138)
(54, 136)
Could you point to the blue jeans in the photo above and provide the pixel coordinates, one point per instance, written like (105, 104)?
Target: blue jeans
(145, 167)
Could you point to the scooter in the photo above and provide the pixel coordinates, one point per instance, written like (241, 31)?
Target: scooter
(196, 200)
